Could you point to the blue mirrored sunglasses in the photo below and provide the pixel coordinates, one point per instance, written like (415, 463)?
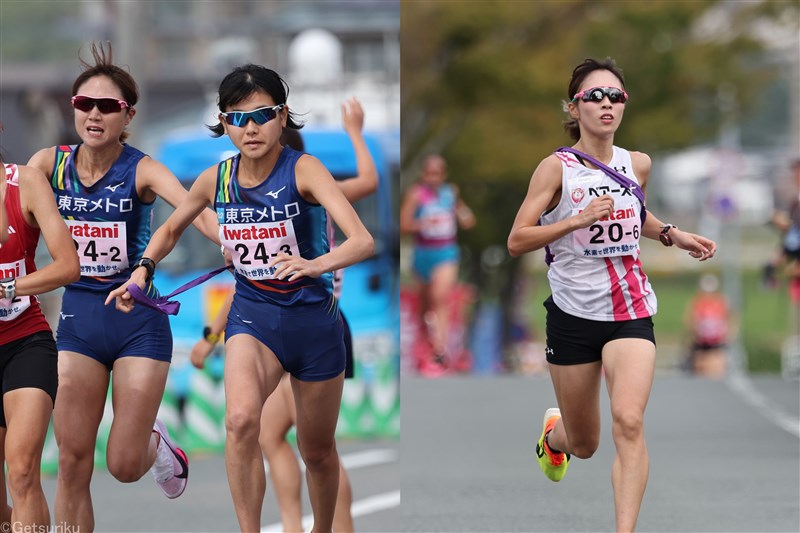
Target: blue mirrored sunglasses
(260, 116)
(596, 94)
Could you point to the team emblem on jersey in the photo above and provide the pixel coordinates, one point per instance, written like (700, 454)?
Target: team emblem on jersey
(578, 194)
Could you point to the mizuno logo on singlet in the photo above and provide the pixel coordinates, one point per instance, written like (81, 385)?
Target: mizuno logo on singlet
(64, 317)
(274, 194)
(113, 188)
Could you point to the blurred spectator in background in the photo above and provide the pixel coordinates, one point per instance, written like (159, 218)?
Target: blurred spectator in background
(44, 119)
(787, 220)
(432, 211)
(709, 320)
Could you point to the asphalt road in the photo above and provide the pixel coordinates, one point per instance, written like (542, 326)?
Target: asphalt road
(720, 458)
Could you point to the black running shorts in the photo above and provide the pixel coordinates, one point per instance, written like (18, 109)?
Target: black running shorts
(572, 340)
(31, 361)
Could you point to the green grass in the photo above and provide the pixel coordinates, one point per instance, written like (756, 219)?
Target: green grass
(765, 316)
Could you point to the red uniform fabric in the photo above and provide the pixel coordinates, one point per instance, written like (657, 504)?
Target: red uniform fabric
(23, 316)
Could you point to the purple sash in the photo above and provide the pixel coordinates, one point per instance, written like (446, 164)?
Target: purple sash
(163, 304)
(614, 175)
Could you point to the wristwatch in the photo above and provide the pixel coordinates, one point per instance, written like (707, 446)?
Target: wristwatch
(213, 338)
(148, 264)
(664, 237)
(9, 286)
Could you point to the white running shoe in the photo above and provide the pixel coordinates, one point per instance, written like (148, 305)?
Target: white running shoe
(171, 467)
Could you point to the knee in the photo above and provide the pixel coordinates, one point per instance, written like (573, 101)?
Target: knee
(75, 466)
(585, 447)
(242, 424)
(317, 456)
(23, 476)
(440, 296)
(124, 467)
(270, 440)
(628, 425)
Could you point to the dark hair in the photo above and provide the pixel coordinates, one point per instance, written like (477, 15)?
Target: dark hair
(246, 80)
(292, 138)
(578, 75)
(104, 66)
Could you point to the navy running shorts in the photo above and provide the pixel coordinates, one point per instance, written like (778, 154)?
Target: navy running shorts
(308, 340)
(89, 327)
(29, 362)
(572, 340)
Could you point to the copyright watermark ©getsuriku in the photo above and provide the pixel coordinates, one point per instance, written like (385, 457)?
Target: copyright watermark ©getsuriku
(19, 527)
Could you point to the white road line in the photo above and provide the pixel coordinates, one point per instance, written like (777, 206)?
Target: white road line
(739, 383)
(373, 504)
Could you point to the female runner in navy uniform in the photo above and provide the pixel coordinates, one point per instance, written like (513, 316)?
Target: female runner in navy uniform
(28, 354)
(271, 203)
(278, 415)
(599, 315)
(105, 190)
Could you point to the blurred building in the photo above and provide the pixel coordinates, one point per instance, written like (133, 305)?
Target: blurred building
(737, 176)
(179, 51)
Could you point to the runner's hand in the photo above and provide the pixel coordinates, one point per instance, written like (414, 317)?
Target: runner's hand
(293, 267)
(200, 352)
(698, 246)
(124, 300)
(600, 207)
(352, 116)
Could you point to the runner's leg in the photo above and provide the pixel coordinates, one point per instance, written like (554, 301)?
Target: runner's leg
(317, 404)
(577, 389)
(5, 509)
(343, 517)
(82, 389)
(252, 372)
(28, 412)
(137, 390)
(440, 289)
(629, 366)
(277, 418)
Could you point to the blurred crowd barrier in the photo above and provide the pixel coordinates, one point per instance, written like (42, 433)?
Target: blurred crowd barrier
(414, 346)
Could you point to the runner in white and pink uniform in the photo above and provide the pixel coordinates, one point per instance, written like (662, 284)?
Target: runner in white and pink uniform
(615, 287)
(587, 209)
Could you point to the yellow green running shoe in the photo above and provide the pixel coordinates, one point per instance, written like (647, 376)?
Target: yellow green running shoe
(554, 465)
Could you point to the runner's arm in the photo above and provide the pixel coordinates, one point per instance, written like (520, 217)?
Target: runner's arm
(543, 193)
(39, 209)
(158, 178)
(407, 208)
(464, 215)
(316, 184)
(366, 180)
(166, 236)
